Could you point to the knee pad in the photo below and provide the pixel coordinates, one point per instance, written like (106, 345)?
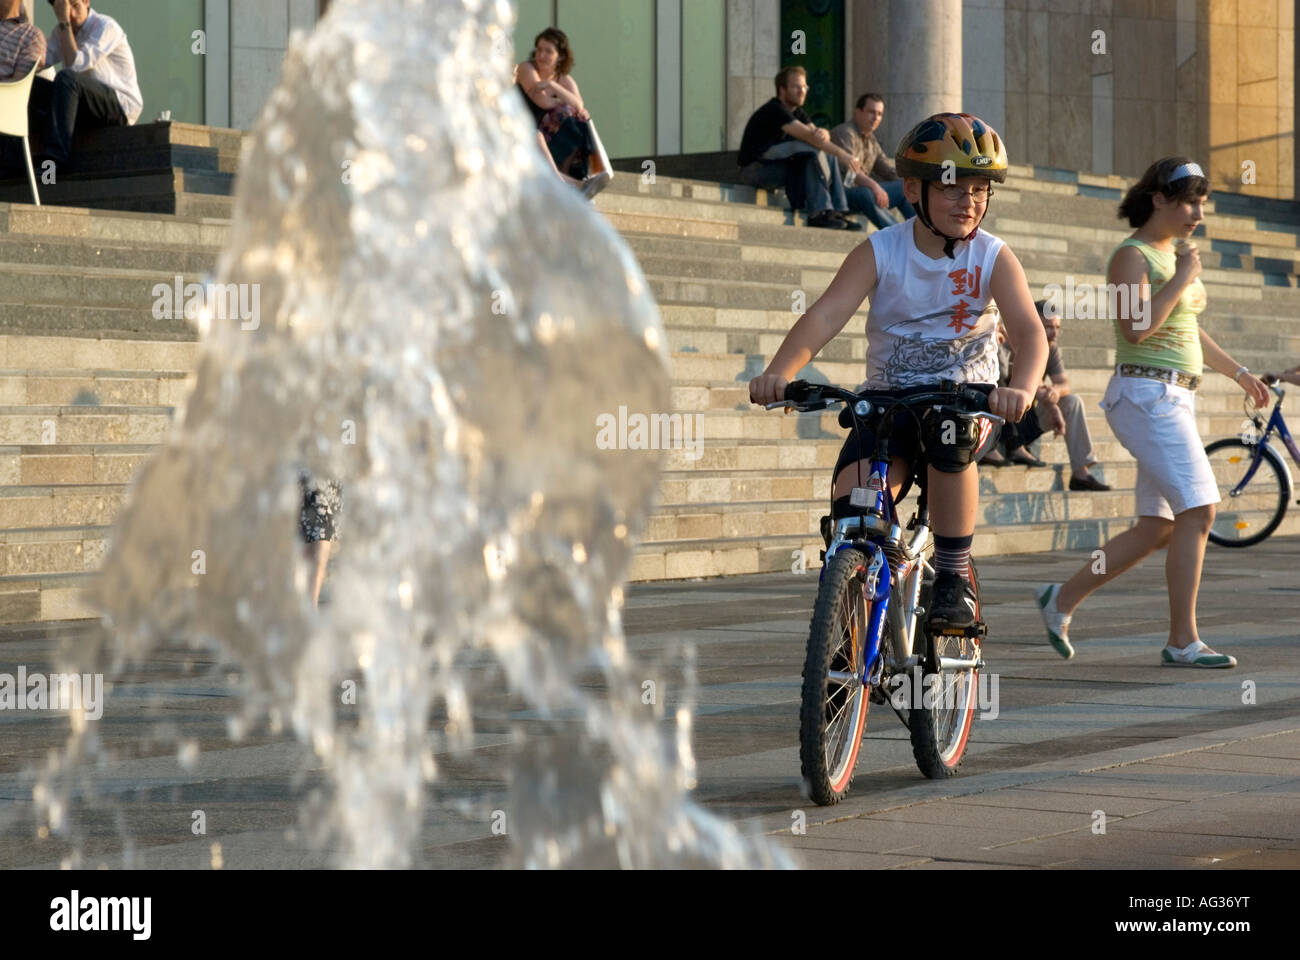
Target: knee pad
(953, 439)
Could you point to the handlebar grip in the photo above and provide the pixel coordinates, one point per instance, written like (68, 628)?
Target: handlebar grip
(978, 399)
(798, 391)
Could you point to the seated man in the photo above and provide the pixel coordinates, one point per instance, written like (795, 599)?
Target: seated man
(97, 86)
(1058, 410)
(870, 195)
(782, 147)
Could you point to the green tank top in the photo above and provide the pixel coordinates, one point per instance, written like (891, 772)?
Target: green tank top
(1177, 344)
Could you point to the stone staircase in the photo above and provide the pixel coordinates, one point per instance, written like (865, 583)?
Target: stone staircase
(164, 167)
(89, 378)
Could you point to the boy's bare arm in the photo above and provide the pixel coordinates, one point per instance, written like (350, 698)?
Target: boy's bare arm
(816, 328)
(1015, 303)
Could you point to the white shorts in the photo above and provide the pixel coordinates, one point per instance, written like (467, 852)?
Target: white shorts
(1156, 422)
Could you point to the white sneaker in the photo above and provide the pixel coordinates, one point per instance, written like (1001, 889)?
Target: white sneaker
(1196, 655)
(1056, 622)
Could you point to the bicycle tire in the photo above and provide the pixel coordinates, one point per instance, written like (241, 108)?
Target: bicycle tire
(1278, 469)
(940, 734)
(828, 755)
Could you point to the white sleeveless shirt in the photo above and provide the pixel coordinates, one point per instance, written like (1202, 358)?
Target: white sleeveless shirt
(931, 320)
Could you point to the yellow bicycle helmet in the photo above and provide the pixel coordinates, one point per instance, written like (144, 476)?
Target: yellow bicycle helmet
(959, 142)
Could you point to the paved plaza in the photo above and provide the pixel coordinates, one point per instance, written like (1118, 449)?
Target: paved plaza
(1105, 761)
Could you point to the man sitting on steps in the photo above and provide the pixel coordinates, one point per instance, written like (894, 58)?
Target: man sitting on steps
(1058, 410)
(781, 146)
(97, 86)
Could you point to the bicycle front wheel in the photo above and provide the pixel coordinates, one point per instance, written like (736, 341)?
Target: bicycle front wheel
(1254, 512)
(834, 701)
(943, 709)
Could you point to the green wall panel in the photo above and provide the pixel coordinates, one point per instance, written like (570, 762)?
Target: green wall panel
(613, 44)
(704, 87)
(170, 74)
(534, 16)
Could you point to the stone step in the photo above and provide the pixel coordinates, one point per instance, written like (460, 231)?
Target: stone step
(44, 597)
(725, 395)
(33, 425)
(60, 354)
(69, 463)
(70, 320)
(93, 388)
(719, 427)
(798, 555)
(52, 551)
(30, 508)
(112, 226)
(66, 252)
(662, 225)
(682, 488)
(628, 203)
(101, 286)
(681, 560)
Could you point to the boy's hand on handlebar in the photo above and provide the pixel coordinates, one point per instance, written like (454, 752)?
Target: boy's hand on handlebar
(1009, 403)
(767, 388)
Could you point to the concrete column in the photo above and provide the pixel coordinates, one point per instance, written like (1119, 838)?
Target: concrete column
(216, 65)
(753, 58)
(925, 70)
(668, 76)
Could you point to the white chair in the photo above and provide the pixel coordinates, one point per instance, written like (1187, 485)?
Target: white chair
(13, 119)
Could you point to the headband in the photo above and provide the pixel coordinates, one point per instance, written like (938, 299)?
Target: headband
(1187, 170)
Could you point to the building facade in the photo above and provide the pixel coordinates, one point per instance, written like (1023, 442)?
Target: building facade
(1103, 86)
(213, 62)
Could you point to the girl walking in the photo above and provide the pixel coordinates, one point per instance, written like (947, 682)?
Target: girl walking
(1160, 351)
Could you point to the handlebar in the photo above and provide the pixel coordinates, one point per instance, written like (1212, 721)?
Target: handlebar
(806, 397)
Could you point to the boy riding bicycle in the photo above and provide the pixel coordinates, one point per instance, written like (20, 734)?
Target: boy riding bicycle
(933, 282)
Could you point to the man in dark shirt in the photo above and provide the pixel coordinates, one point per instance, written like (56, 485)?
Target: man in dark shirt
(781, 146)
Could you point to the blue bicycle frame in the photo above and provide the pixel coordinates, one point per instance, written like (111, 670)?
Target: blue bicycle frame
(1275, 422)
(878, 534)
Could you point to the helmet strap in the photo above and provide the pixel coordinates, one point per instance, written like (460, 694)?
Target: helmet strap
(923, 214)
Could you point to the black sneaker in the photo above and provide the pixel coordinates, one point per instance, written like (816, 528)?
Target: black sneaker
(952, 602)
(827, 220)
(849, 222)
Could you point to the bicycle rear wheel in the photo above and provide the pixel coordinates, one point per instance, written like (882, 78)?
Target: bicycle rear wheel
(943, 710)
(1254, 513)
(834, 701)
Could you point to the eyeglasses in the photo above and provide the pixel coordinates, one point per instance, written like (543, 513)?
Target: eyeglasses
(955, 193)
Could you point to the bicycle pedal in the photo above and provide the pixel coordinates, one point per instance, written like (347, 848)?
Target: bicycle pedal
(976, 631)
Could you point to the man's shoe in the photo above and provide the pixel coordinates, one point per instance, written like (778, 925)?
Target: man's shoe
(849, 222)
(1088, 482)
(1057, 623)
(1024, 459)
(826, 220)
(952, 602)
(1196, 655)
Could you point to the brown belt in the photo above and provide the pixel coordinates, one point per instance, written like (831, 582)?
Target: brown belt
(1177, 377)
